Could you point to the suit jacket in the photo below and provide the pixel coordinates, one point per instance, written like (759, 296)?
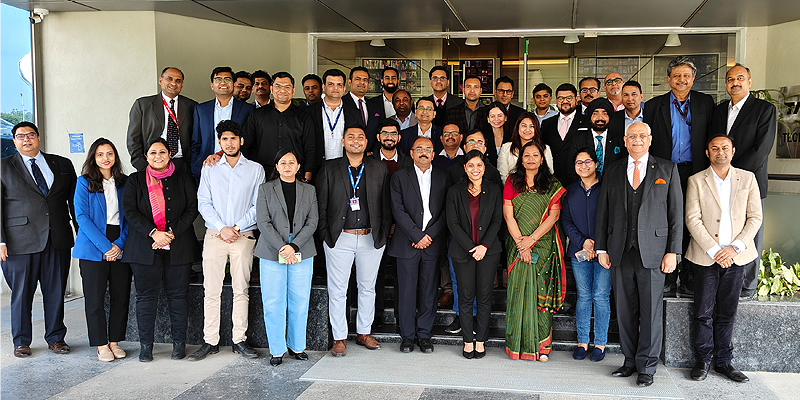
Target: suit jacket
(404, 160)
(441, 112)
(91, 214)
(318, 122)
(564, 150)
(616, 129)
(459, 220)
(408, 213)
(273, 220)
(660, 227)
(333, 196)
(204, 133)
(614, 148)
(29, 216)
(180, 196)
(657, 115)
(147, 121)
(753, 134)
(703, 212)
(410, 135)
(375, 114)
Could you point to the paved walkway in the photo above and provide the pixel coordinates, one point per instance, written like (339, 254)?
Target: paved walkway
(226, 375)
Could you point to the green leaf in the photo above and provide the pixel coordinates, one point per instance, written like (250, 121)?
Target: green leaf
(763, 290)
(776, 286)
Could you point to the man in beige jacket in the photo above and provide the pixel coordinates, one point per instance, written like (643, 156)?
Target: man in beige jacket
(723, 214)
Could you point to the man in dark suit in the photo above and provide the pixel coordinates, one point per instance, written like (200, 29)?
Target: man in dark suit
(167, 115)
(35, 239)
(418, 243)
(425, 127)
(442, 100)
(639, 240)
(354, 222)
(369, 113)
(224, 106)
(382, 103)
(750, 122)
(466, 117)
(609, 146)
(563, 134)
(588, 89)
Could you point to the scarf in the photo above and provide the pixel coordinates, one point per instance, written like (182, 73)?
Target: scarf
(156, 193)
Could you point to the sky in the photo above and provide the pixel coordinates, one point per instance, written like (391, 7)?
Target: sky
(15, 42)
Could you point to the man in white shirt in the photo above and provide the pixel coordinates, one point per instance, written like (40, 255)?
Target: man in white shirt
(389, 82)
(226, 198)
(425, 127)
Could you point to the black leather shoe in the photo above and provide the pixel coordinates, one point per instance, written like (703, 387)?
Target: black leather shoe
(454, 327)
(644, 380)
(425, 345)
(275, 361)
(245, 350)
(146, 352)
(407, 346)
(747, 294)
(700, 371)
(732, 373)
(203, 352)
(302, 356)
(624, 372)
(685, 292)
(178, 350)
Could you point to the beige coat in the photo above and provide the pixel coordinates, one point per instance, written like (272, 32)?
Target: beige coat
(703, 213)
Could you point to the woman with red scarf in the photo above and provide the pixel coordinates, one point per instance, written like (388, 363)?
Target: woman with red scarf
(160, 205)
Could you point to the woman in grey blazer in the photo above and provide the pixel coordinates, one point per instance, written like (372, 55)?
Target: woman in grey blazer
(287, 218)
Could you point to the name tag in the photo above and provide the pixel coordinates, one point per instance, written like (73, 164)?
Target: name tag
(355, 205)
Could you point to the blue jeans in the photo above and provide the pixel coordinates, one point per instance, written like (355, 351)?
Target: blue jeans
(594, 286)
(286, 289)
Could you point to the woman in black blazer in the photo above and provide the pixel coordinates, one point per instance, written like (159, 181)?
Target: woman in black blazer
(474, 215)
(160, 204)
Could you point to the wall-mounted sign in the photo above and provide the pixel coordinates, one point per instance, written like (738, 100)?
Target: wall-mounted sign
(76, 143)
(788, 136)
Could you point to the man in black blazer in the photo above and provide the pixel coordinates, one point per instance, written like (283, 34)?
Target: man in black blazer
(354, 222)
(37, 192)
(382, 103)
(565, 133)
(639, 240)
(368, 113)
(750, 123)
(151, 116)
(609, 146)
(426, 113)
(418, 243)
(442, 100)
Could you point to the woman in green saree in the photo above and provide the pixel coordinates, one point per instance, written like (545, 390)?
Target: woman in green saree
(536, 274)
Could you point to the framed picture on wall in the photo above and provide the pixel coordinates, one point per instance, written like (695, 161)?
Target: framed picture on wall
(409, 73)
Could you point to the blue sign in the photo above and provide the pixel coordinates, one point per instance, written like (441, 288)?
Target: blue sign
(76, 143)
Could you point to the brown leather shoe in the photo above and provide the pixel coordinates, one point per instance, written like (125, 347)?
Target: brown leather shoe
(22, 351)
(446, 300)
(339, 348)
(59, 347)
(368, 341)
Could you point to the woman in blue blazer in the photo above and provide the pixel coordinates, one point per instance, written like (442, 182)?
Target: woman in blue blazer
(101, 238)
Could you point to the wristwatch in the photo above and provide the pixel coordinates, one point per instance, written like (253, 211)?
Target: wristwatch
(236, 227)
(736, 248)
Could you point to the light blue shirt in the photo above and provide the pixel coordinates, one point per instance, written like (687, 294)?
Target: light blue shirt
(411, 120)
(681, 131)
(42, 164)
(550, 112)
(629, 120)
(227, 195)
(221, 114)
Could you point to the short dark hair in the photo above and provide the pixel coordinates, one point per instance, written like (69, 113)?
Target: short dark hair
(314, 77)
(472, 132)
(283, 74)
(718, 135)
(475, 154)
(359, 68)
(428, 99)
(228, 126)
(333, 72)
(388, 122)
(541, 87)
(390, 69)
(502, 79)
(590, 78)
(262, 74)
(739, 65)
(567, 87)
(439, 68)
(24, 124)
(633, 84)
(175, 68)
(219, 70)
(243, 74)
(592, 154)
(468, 77)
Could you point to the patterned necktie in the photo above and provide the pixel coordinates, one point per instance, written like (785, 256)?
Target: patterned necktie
(599, 151)
(38, 177)
(439, 103)
(637, 180)
(172, 131)
(361, 108)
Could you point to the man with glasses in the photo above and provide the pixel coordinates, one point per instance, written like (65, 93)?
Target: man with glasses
(425, 127)
(389, 83)
(242, 86)
(442, 100)
(562, 133)
(542, 96)
(224, 106)
(418, 242)
(589, 89)
(451, 152)
(402, 106)
(262, 84)
(613, 88)
(474, 140)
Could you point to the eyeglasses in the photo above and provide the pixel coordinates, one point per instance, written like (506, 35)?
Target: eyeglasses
(640, 136)
(504, 91)
(584, 162)
(425, 109)
(476, 142)
(22, 136)
(614, 81)
(565, 98)
(589, 90)
(220, 79)
(389, 134)
(450, 133)
(282, 87)
(439, 78)
(424, 149)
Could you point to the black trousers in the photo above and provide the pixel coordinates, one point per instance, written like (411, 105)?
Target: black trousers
(96, 277)
(416, 284)
(639, 296)
(686, 274)
(475, 281)
(148, 279)
(388, 267)
(49, 268)
(717, 289)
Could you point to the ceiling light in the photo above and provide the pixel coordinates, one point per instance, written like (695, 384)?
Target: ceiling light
(377, 43)
(472, 41)
(571, 39)
(673, 40)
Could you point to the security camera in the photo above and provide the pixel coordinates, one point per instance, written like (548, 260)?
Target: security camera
(38, 15)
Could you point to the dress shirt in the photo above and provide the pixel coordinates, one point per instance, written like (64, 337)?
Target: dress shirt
(725, 224)
(220, 114)
(42, 164)
(565, 119)
(733, 112)
(333, 139)
(642, 168)
(638, 118)
(427, 134)
(112, 202)
(443, 153)
(618, 107)
(364, 113)
(471, 116)
(681, 131)
(255, 102)
(227, 195)
(390, 159)
(436, 100)
(424, 180)
(388, 107)
(179, 153)
(411, 120)
(550, 112)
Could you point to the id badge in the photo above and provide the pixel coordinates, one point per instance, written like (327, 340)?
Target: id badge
(355, 205)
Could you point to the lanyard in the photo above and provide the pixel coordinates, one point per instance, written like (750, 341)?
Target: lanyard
(358, 179)
(169, 110)
(333, 126)
(684, 114)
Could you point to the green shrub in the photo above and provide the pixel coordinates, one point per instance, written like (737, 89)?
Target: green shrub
(775, 278)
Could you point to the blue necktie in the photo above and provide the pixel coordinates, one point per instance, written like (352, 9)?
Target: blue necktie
(38, 177)
(599, 151)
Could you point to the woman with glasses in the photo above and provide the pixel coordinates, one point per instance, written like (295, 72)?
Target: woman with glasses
(525, 130)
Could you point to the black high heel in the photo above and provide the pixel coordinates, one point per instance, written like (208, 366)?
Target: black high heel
(468, 354)
(146, 353)
(302, 356)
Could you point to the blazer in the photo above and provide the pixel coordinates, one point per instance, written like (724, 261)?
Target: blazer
(29, 216)
(180, 195)
(408, 212)
(660, 227)
(441, 112)
(564, 150)
(703, 211)
(459, 220)
(409, 135)
(374, 116)
(147, 121)
(204, 133)
(657, 115)
(318, 122)
(273, 220)
(579, 214)
(333, 195)
(614, 148)
(91, 213)
(753, 134)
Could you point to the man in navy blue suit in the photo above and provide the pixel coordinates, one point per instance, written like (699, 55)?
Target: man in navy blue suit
(207, 115)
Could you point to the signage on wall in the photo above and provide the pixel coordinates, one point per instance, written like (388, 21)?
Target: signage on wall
(788, 136)
(76, 142)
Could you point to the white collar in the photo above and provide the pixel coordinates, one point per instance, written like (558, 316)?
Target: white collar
(644, 158)
(167, 99)
(739, 104)
(458, 153)
(396, 152)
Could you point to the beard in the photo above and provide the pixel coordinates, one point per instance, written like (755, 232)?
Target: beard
(235, 154)
(388, 147)
(599, 126)
(390, 88)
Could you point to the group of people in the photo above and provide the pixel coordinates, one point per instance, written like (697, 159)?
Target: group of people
(448, 187)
